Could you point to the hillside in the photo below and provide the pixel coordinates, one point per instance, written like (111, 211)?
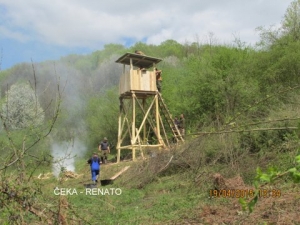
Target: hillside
(241, 105)
(160, 191)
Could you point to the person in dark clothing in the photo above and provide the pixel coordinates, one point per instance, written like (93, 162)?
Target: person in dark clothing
(104, 148)
(138, 52)
(181, 125)
(158, 79)
(95, 167)
(176, 121)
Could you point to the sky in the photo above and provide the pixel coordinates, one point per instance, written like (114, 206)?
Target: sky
(39, 30)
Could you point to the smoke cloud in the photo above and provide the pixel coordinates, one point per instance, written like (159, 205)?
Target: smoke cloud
(64, 155)
(79, 79)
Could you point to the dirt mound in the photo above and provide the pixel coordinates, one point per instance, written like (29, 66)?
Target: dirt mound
(222, 183)
(279, 210)
(270, 209)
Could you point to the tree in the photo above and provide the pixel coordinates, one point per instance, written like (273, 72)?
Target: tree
(277, 63)
(171, 47)
(21, 198)
(21, 108)
(289, 31)
(291, 22)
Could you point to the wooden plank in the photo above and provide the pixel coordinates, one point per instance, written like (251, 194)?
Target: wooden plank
(137, 80)
(148, 146)
(119, 173)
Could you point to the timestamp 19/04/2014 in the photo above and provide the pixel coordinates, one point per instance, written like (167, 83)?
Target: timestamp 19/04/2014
(244, 193)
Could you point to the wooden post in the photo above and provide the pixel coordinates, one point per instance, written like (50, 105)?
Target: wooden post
(119, 131)
(131, 75)
(131, 66)
(157, 118)
(145, 128)
(140, 147)
(133, 139)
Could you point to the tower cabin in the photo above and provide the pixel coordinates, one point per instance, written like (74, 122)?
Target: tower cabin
(139, 79)
(141, 107)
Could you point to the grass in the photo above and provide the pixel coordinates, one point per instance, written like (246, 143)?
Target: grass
(169, 197)
(160, 201)
(176, 194)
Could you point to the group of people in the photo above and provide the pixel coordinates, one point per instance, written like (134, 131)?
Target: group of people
(104, 148)
(157, 73)
(96, 161)
(180, 124)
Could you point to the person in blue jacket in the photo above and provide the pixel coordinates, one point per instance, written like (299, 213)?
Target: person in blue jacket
(95, 167)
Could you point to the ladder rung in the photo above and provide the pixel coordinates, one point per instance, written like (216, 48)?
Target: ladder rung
(165, 111)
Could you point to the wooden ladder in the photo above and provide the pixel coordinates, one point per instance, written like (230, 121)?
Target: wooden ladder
(168, 117)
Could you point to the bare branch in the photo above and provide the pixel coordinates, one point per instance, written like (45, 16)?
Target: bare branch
(262, 101)
(241, 131)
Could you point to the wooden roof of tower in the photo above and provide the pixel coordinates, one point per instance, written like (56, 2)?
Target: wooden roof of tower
(141, 61)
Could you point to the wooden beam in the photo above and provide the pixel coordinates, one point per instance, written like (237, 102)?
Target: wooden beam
(136, 146)
(141, 149)
(145, 127)
(157, 119)
(150, 122)
(133, 139)
(119, 133)
(144, 119)
(119, 173)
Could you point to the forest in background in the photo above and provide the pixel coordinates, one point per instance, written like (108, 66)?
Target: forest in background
(218, 87)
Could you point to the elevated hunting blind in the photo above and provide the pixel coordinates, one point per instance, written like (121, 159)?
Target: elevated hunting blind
(141, 106)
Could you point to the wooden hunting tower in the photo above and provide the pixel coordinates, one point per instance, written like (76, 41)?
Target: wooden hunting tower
(141, 107)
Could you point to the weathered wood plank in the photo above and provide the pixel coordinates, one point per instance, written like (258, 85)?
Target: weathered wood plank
(119, 173)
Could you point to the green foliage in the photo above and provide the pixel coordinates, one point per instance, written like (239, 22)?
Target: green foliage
(295, 172)
(248, 205)
(101, 118)
(211, 87)
(147, 49)
(171, 48)
(269, 177)
(3, 75)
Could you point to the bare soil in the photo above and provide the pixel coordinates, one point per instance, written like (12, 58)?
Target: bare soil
(279, 210)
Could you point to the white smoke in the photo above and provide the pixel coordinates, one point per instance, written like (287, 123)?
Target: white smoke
(64, 155)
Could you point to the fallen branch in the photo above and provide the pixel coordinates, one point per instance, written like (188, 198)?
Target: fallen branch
(166, 165)
(262, 101)
(241, 131)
